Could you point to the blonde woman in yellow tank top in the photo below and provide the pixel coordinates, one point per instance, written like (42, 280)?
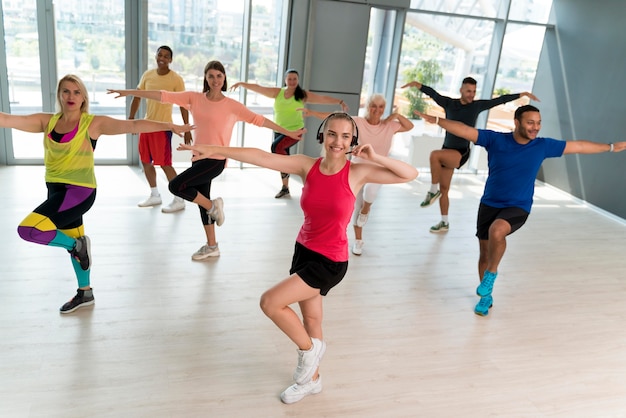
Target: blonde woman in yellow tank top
(70, 138)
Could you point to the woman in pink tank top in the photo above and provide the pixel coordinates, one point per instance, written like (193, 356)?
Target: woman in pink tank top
(320, 258)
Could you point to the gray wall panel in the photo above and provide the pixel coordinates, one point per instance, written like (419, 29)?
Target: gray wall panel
(580, 82)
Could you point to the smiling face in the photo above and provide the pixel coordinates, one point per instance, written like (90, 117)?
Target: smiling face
(163, 59)
(292, 80)
(215, 79)
(375, 110)
(338, 132)
(468, 92)
(528, 125)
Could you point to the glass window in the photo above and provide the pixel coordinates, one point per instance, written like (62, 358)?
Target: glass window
(516, 73)
(263, 68)
(485, 8)
(90, 44)
(438, 51)
(22, 51)
(191, 29)
(537, 11)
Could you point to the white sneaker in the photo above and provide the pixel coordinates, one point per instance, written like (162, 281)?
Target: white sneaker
(357, 248)
(177, 204)
(296, 392)
(217, 211)
(361, 219)
(151, 201)
(308, 361)
(206, 252)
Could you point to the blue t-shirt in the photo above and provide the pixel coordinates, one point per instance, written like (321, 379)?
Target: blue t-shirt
(513, 167)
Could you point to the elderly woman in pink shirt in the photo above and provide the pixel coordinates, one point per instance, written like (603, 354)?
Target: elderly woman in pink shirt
(214, 116)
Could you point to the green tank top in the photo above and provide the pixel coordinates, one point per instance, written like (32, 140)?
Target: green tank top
(70, 162)
(285, 113)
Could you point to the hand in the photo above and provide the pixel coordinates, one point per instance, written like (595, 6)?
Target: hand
(235, 86)
(120, 93)
(180, 129)
(305, 112)
(344, 107)
(365, 151)
(415, 84)
(427, 118)
(200, 152)
(188, 138)
(530, 96)
(297, 134)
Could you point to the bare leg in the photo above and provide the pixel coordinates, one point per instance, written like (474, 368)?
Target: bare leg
(150, 174)
(275, 304)
(169, 171)
(444, 187)
(209, 230)
(492, 250)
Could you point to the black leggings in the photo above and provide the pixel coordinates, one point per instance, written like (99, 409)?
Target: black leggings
(197, 179)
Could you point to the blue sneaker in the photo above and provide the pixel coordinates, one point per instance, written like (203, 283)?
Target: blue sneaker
(483, 305)
(486, 284)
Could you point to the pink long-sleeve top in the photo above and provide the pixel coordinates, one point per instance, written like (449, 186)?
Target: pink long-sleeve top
(214, 120)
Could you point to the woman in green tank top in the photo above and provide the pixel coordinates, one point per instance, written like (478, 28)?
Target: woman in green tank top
(287, 100)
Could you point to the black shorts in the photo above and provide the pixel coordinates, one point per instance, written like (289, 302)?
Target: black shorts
(465, 154)
(516, 217)
(317, 271)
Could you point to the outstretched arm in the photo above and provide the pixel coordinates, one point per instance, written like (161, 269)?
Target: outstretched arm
(36, 122)
(315, 113)
(321, 99)
(589, 147)
(291, 134)
(105, 125)
(454, 127)
(529, 95)
(270, 92)
(293, 164)
(145, 94)
(415, 84)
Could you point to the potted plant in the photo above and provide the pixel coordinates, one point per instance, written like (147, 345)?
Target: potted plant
(426, 72)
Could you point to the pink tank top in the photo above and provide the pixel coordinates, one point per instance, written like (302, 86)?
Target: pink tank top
(327, 203)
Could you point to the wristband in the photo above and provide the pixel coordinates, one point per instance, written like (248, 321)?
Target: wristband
(612, 147)
(437, 121)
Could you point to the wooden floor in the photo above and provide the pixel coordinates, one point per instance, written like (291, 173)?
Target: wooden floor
(169, 337)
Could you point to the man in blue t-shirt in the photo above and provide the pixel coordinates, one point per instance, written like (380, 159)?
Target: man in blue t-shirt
(455, 151)
(514, 160)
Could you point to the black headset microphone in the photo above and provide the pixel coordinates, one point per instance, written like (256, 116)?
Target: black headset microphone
(355, 137)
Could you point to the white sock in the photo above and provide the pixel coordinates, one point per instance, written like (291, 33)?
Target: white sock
(444, 218)
(154, 191)
(434, 188)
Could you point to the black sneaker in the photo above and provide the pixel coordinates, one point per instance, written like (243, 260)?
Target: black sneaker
(82, 252)
(82, 298)
(283, 192)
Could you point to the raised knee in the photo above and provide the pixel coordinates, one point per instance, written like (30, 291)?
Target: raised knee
(265, 304)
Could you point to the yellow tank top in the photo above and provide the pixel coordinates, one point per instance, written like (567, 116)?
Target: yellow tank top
(70, 162)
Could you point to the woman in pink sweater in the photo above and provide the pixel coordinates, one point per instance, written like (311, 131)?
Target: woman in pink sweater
(214, 116)
(320, 258)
